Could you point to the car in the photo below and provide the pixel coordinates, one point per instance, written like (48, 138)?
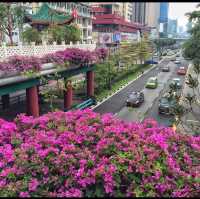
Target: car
(151, 62)
(177, 61)
(165, 68)
(176, 82)
(181, 71)
(152, 82)
(166, 105)
(135, 99)
(170, 53)
(173, 59)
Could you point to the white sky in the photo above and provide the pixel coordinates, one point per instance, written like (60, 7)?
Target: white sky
(178, 10)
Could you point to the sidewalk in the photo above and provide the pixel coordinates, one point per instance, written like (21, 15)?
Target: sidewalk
(190, 119)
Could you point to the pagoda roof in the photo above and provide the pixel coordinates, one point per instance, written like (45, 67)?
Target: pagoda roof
(47, 15)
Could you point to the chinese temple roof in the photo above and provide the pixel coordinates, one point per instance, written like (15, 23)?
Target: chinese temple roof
(47, 15)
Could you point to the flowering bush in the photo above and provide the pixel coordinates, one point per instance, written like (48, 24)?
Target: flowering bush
(83, 154)
(21, 64)
(101, 53)
(79, 56)
(74, 56)
(53, 58)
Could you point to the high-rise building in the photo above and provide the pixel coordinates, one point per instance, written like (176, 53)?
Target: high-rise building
(152, 14)
(127, 11)
(139, 12)
(147, 14)
(180, 29)
(172, 27)
(163, 19)
(189, 26)
(164, 7)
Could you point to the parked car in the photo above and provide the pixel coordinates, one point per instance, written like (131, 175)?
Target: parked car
(165, 68)
(166, 105)
(135, 99)
(176, 82)
(181, 71)
(152, 82)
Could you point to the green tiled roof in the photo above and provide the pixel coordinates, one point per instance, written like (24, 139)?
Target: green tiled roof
(47, 15)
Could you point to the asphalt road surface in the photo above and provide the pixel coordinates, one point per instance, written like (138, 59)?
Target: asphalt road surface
(150, 95)
(153, 111)
(118, 101)
(149, 109)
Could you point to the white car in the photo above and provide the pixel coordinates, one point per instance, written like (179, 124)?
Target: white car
(177, 61)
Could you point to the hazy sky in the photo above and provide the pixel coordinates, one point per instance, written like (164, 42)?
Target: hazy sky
(178, 10)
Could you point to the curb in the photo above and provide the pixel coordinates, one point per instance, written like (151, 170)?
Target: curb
(188, 71)
(122, 87)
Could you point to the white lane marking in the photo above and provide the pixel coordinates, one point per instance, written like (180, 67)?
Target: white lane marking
(105, 99)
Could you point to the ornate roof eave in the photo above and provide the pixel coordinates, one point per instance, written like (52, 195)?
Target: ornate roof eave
(48, 23)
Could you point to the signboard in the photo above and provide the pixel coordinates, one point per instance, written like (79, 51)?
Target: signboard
(95, 37)
(129, 36)
(116, 37)
(105, 38)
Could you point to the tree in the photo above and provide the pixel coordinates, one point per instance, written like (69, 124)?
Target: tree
(11, 17)
(32, 35)
(190, 106)
(63, 33)
(105, 73)
(56, 33)
(144, 49)
(128, 53)
(162, 44)
(72, 33)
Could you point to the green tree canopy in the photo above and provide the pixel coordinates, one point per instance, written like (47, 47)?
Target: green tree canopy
(32, 35)
(191, 106)
(11, 17)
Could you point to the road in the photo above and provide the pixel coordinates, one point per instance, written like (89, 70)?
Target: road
(117, 101)
(138, 113)
(149, 109)
(153, 111)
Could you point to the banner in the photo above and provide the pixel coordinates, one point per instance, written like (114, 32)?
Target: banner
(116, 37)
(105, 38)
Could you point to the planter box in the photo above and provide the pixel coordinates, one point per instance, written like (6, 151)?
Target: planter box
(48, 66)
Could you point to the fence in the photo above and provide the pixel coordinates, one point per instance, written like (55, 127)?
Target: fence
(39, 50)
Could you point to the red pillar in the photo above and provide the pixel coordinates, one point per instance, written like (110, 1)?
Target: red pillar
(32, 101)
(90, 83)
(68, 95)
(5, 101)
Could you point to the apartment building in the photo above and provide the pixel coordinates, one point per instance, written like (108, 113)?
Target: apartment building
(120, 8)
(127, 11)
(152, 14)
(147, 13)
(139, 12)
(84, 19)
